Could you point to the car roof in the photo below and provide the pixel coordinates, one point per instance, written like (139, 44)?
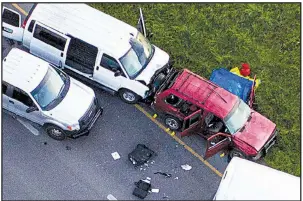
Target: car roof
(247, 180)
(23, 70)
(204, 93)
(88, 24)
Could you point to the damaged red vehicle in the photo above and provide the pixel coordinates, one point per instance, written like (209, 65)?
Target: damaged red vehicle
(194, 105)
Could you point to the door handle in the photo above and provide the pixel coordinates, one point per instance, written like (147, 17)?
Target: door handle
(12, 102)
(61, 54)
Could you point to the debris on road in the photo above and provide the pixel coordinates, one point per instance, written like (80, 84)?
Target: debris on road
(115, 155)
(155, 190)
(68, 148)
(45, 143)
(176, 178)
(186, 167)
(142, 189)
(167, 175)
(111, 197)
(140, 155)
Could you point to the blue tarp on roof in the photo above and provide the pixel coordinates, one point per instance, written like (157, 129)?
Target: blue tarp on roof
(235, 84)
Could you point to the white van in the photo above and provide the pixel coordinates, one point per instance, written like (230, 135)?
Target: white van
(87, 42)
(34, 90)
(247, 180)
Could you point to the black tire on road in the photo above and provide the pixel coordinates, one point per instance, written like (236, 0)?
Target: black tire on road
(236, 153)
(173, 123)
(55, 132)
(128, 96)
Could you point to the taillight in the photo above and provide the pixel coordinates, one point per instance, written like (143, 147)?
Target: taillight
(24, 24)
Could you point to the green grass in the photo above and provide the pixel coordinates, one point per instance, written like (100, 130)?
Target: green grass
(202, 37)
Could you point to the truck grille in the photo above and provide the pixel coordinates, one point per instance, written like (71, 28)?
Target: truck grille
(89, 115)
(271, 142)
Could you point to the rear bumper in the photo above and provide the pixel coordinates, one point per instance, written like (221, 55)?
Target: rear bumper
(85, 131)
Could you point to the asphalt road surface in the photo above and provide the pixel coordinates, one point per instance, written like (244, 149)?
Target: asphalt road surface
(36, 167)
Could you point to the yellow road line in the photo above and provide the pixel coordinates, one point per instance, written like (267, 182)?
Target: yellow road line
(179, 140)
(157, 122)
(20, 9)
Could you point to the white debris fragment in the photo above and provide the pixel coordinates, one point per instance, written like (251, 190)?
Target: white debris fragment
(176, 177)
(141, 169)
(148, 178)
(152, 162)
(111, 197)
(186, 167)
(155, 190)
(145, 164)
(115, 155)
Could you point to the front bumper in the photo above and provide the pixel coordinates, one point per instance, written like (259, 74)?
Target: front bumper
(85, 129)
(272, 141)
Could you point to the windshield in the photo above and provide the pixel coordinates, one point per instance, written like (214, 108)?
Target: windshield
(50, 88)
(238, 116)
(137, 58)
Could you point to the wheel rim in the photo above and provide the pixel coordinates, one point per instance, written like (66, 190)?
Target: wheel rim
(172, 123)
(56, 132)
(237, 154)
(129, 96)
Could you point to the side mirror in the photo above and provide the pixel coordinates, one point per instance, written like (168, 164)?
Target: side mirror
(149, 35)
(117, 73)
(31, 109)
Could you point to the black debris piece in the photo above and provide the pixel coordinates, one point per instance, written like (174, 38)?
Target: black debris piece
(140, 155)
(140, 193)
(142, 189)
(45, 143)
(68, 148)
(167, 175)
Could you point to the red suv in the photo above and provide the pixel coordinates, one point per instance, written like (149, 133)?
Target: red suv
(192, 104)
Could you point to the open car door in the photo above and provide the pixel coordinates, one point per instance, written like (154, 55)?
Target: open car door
(142, 28)
(11, 24)
(216, 143)
(192, 123)
(141, 24)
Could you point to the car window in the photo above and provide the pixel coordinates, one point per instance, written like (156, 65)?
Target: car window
(31, 26)
(22, 97)
(49, 37)
(4, 88)
(109, 63)
(10, 17)
(174, 100)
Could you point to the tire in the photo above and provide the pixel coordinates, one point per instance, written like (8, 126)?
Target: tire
(55, 132)
(172, 123)
(236, 153)
(128, 96)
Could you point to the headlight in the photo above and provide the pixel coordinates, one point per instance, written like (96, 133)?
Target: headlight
(147, 93)
(73, 127)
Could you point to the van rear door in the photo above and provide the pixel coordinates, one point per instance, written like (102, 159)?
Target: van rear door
(11, 24)
(49, 44)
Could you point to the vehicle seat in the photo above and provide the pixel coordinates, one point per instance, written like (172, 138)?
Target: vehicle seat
(216, 127)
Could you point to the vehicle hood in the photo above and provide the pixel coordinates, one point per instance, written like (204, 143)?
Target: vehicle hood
(159, 59)
(257, 131)
(74, 105)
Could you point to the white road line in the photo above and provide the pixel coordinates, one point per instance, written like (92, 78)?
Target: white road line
(27, 125)
(111, 197)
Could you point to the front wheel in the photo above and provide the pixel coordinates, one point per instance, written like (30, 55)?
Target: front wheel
(128, 96)
(172, 123)
(236, 153)
(55, 132)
